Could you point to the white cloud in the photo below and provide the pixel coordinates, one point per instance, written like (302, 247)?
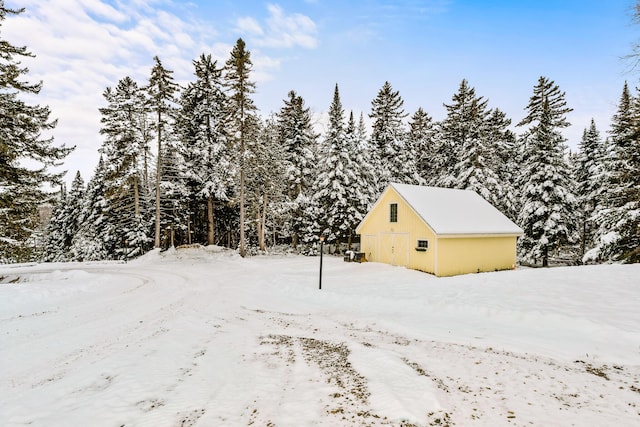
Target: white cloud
(103, 10)
(282, 30)
(263, 65)
(83, 46)
(249, 25)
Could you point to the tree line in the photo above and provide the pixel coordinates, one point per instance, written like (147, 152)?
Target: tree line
(198, 164)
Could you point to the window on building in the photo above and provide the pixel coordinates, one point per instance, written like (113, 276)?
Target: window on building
(422, 245)
(393, 212)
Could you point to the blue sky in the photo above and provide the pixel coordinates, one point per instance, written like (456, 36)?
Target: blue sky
(423, 48)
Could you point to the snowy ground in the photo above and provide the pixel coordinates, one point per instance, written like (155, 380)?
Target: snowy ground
(205, 338)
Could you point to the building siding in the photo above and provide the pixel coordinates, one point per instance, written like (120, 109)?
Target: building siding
(447, 255)
(475, 254)
(394, 242)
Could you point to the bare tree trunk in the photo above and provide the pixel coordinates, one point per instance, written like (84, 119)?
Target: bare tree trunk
(210, 230)
(242, 238)
(583, 243)
(264, 222)
(146, 167)
(158, 168)
(189, 228)
(136, 197)
(259, 230)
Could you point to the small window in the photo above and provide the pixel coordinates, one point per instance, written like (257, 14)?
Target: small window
(393, 212)
(422, 245)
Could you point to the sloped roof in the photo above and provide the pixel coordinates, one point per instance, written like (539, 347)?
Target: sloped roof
(452, 211)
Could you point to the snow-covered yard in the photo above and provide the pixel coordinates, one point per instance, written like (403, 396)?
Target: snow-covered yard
(203, 337)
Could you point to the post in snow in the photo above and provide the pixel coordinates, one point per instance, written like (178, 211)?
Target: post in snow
(321, 250)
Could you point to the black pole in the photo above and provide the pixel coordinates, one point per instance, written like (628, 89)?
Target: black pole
(320, 284)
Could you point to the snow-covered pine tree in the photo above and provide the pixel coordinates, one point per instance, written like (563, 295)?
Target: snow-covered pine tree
(65, 223)
(361, 131)
(54, 249)
(94, 241)
(618, 237)
(503, 160)
(26, 155)
(549, 93)
(124, 149)
(201, 126)
(336, 188)
(299, 142)
(73, 208)
(161, 91)
(460, 129)
(360, 193)
(334, 174)
(124, 145)
(422, 137)
(242, 117)
(388, 134)
(474, 170)
(174, 204)
(264, 178)
(366, 171)
(471, 143)
(406, 162)
(548, 208)
(588, 169)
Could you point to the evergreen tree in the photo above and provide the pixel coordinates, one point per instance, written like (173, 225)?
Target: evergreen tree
(161, 91)
(241, 117)
(201, 124)
(472, 144)
(173, 187)
(366, 171)
(124, 149)
(361, 132)
(588, 187)
(461, 129)
(65, 222)
(504, 161)
(93, 240)
(547, 100)
(125, 142)
(618, 237)
(296, 136)
(359, 194)
(406, 163)
(55, 233)
(26, 157)
(336, 189)
(73, 208)
(388, 134)
(264, 178)
(548, 204)
(422, 137)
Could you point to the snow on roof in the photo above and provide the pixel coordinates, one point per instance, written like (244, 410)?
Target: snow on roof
(452, 211)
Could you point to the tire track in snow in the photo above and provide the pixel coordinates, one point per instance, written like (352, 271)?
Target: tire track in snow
(116, 336)
(471, 384)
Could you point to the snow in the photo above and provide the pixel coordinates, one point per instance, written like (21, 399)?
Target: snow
(453, 211)
(203, 337)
